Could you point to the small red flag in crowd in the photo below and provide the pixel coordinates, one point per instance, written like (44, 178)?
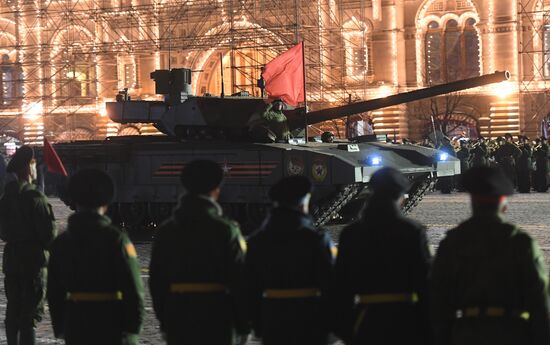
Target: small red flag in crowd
(284, 76)
(52, 160)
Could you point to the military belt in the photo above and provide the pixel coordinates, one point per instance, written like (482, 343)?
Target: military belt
(291, 293)
(94, 296)
(474, 312)
(197, 288)
(387, 298)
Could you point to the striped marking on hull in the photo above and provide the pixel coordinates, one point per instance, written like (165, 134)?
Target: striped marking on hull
(232, 170)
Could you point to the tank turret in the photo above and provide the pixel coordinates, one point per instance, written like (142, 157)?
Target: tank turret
(185, 115)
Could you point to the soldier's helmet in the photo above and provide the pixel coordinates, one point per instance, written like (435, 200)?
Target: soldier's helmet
(91, 188)
(201, 176)
(22, 157)
(487, 181)
(291, 190)
(327, 137)
(389, 183)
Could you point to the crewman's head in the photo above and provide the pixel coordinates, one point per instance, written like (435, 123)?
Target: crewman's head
(91, 189)
(278, 104)
(23, 164)
(500, 139)
(481, 139)
(488, 188)
(292, 192)
(202, 177)
(327, 137)
(389, 183)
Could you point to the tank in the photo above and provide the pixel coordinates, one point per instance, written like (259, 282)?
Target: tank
(146, 168)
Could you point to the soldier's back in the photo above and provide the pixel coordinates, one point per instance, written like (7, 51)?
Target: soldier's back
(385, 256)
(91, 290)
(196, 258)
(489, 278)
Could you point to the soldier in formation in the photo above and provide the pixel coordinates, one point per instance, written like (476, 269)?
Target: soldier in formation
(27, 225)
(479, 153)
(95, 292)
(446, 183)
(506, 155)
(540, 152)
(381, 276)
(489, 284)
(197, 266)
(289, 264)
(524, 165)
(463, 154)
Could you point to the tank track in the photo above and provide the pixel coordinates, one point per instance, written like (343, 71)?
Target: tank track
(420, 187)
(324, 212)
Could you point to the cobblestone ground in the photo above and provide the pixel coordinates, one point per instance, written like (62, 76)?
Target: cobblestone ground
(438, 212)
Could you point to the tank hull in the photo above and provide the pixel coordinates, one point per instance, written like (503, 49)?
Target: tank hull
(146, 171)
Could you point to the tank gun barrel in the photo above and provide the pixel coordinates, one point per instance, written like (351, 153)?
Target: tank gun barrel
(400, 98)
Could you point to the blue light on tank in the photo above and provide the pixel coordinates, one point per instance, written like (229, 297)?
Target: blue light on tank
(443, 156)
(376, 160)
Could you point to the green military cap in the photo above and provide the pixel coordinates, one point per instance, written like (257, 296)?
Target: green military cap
(91, 188)
(22, 157)
(201, 176)
(389, 182)
(291, 190)
(487, 181)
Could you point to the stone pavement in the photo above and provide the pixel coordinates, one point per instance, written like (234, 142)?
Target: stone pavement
(438, 212)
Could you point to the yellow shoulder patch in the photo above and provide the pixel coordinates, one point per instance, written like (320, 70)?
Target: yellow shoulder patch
(131, 250)
(242, 244)
(334, 251)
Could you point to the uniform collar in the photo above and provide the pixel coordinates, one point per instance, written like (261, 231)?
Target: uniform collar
(285, 218)
(86, 220)
(194, 205)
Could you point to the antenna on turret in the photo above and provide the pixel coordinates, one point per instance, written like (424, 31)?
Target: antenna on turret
(222, 95)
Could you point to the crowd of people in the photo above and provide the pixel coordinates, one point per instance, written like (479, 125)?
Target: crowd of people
(287, 283)
(525, 162)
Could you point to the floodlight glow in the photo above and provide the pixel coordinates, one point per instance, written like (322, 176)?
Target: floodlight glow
(443, 156)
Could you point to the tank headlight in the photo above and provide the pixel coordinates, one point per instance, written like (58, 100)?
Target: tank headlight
(374, 161)
(443, 156)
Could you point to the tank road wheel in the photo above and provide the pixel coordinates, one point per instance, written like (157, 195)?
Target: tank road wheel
(160, 211)
(133, 215)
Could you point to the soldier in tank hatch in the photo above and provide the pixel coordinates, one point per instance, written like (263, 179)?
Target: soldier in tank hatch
(271, 126)
(27, 225)
(380, 285)
(289, 264)
(197, 266)
(489, 281)
(95, 291)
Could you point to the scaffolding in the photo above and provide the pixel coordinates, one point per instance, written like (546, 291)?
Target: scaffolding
(534, 63)
(63, 59)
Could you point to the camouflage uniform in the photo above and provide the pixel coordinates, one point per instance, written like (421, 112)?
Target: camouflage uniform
(95, 292)
(196, 275)
(28, 227)
(271, 126)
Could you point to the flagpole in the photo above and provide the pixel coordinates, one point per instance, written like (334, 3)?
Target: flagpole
(305, 94)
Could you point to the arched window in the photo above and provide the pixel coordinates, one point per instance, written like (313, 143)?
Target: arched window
(433, 53)
(358, 44)
(452, 52)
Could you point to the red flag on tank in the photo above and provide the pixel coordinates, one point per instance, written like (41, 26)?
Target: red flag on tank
(284, 76)
(52, 160)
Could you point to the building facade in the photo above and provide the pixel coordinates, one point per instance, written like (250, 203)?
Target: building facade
(63, 59)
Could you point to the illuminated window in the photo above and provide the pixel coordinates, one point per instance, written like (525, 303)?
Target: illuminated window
(358, 45)
(452, 52)
(9, 81)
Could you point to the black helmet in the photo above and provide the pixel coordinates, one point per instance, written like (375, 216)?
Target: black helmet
(22, 157)
(389, 182)
(201, 176)
(91, 188)
(290, 190)
(487, 181)
(327, 137)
